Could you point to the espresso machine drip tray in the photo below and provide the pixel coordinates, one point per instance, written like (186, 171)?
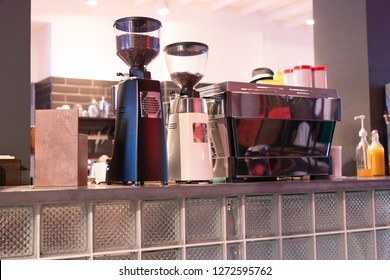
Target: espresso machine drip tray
(270, 131)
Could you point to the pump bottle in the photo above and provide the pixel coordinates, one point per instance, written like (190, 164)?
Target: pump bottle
(377, 155)
(363, 154)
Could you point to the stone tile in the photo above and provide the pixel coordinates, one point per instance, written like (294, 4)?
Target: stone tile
(108, 94)
(42, 100)
(42, 88)
(92, 91)
(79, 98)
(42, 85)
(65, 89)
(101, 83)
(58, 97)
(57, 80)
(78, 82)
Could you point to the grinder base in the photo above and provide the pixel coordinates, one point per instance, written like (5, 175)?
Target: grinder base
(139, 152)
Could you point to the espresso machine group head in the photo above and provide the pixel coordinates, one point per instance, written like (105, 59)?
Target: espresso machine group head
(139, 152)
(188, 143)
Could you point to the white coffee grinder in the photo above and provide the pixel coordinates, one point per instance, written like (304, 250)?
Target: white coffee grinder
(188, 141)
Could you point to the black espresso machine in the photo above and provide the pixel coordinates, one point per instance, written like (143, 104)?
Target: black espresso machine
(262, 131)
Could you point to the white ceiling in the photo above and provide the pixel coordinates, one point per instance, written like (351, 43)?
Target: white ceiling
(289, 13)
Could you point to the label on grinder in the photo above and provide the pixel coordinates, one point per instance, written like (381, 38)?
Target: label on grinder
(200, 132)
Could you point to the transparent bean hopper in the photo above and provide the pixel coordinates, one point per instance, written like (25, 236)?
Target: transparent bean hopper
(188, 142)
(139, 152)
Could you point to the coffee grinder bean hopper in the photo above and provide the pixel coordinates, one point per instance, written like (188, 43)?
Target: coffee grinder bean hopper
(188, 141)
(139, 152)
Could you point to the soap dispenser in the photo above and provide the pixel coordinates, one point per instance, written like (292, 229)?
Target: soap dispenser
(377, 155)
(363, 154)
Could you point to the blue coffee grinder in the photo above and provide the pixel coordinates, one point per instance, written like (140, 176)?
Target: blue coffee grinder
(139, 152)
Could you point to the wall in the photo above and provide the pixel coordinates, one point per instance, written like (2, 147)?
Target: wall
(83, 46)
(286, 47)
(359, 65)
(40, 51)
(55, 92)
(345, 52)
(15, 80)
(379, 66)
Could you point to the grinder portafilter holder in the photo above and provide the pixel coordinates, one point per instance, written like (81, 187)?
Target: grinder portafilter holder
(186, 63)
(137, 43)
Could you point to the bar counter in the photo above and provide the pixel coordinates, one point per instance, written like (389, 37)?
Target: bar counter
(347, 218)
(30, 194)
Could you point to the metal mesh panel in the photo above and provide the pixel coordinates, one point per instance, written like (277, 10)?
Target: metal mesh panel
(358, 210)
(298, 248)
(160, 222)
(261, 216)
(172, 254)
(361, 245)
(113, 226)
(383, 244)
(296, 214)
(127, 256)
(203, 219)
(330, 247)
(329, 211)
(205, 253)
(63, 229)
(382, 208)
(16, 231)
(263, 250)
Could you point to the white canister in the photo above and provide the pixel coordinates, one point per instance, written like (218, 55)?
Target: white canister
(302, 76)
(288, 77)
(320, 77)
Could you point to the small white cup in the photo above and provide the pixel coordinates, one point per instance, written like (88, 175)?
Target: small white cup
(100, 169)
(335, 153)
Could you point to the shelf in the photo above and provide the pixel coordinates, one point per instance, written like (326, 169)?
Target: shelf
(100, 132)
(95, 126)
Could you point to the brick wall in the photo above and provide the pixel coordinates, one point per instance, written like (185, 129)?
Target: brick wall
(54, 92)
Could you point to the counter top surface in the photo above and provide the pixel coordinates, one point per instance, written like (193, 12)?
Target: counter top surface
(31, 194)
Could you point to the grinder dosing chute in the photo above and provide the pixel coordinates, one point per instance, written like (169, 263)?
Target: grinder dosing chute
(188, 143)
(139, 152)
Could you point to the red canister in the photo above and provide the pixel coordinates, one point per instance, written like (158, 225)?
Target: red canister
(320, 77)
(302, 76)
(288, 77)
